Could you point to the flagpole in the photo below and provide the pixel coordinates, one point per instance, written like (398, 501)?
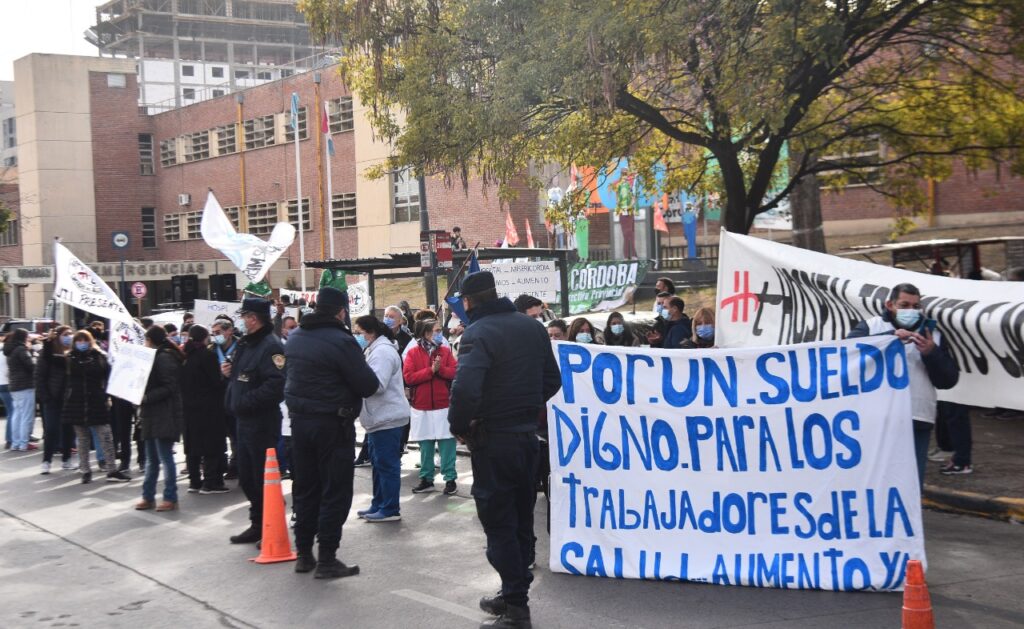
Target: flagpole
(320, 162)
(298, 190)
(330, 189)
(458, 274)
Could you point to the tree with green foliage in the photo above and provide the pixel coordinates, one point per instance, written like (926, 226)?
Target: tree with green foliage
(716, 92)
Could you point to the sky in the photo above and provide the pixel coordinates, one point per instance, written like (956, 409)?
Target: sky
(53, 26)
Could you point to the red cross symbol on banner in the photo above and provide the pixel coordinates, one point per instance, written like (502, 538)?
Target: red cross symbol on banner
(738, 300)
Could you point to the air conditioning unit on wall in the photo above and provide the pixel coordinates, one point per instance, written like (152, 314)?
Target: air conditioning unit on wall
(184, 199)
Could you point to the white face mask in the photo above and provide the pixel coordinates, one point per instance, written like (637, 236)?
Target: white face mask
(584, 337)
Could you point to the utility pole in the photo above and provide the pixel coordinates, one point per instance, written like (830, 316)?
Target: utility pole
(430, 275)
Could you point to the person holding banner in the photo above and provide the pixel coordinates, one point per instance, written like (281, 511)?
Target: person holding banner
(618, 332)
(703, 330)
(931, 367)
(160, 420)
(581, 331)
(505, 376)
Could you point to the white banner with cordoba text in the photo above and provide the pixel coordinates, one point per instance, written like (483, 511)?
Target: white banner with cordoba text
(791, 467)
(774, 294)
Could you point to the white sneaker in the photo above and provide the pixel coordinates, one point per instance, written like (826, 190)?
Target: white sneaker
(45, 469)
(939, 455)
(68, 465)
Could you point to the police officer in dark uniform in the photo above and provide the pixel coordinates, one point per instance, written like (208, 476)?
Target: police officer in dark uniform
(256, 376)
(327, 380)
(506, 374)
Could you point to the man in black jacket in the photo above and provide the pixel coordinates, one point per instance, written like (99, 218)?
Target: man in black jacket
(506, 374)
(256, 375)
(327, 381)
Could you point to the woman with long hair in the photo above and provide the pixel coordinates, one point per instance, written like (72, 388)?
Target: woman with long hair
(703, 330)
(581, 331)
(429, 370)
(21, 382)
(384, 417)
(160, 421)
(206, 427)
(86, 406)
(51, 377)
(618, 332)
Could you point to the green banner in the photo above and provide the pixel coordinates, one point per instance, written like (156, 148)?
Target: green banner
(260, 289)
(604, 285)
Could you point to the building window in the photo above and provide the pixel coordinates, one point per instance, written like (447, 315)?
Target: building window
(193, 223)
(261, 217)
(188, 93)
(217, 73)
(11, 161)
(259, 132)
(339, 114)
(287, 73)
(241, 74)
(172, 227)
(289, 132)
(146, 164)
(293, 214)
(168, 152)
(10, 135)
(233, 214)
(405, 197)
(226, 140)
(264, 76)
(197, 146)
(148, 228)
(188, 70)
(10, 235)
(117, 80)
(343, 210)
(218, 93)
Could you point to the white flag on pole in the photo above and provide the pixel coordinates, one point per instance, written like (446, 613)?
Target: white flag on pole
(252, 255)
(77, 285)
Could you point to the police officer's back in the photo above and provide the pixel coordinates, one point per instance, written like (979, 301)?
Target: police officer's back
(506, 374)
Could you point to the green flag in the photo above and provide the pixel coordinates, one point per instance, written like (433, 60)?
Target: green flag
(260, 289)
(583, 238)
(335, 278)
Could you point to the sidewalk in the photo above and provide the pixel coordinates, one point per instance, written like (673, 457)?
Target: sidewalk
(996, 488)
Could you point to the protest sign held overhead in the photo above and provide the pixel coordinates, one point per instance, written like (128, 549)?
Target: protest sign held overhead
(77, 285)
(790, 467)
(252, 255)
(206, 312)
(772, 294)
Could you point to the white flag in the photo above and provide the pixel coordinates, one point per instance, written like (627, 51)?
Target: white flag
(252, 255)
(77, 285)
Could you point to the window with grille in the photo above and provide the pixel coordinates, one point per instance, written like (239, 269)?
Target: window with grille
(193, 223)
(303, 131)
(197, 146)
(168, 152)
(146, 165)
(148, 228)
(233, 215)
(10, 235)
(405, 197)
(259, 132)
(339, 115)
(293, 214)
(226, 140)
(262, 217)
(344, 210)
(172, 227)
(263, 76)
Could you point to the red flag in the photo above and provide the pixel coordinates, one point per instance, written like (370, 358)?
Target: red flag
(529, 235)
(511, 235)
(659, 217)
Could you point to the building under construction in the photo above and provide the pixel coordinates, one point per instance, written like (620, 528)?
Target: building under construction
(192, 50)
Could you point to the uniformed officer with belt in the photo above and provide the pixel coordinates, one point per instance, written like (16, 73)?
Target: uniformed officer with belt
(256, 377)
(506, 374)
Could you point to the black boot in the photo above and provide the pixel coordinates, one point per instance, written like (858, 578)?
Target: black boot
(305, 562)
(493, 605)
(250, 535)
(334, 569)
(515, 617)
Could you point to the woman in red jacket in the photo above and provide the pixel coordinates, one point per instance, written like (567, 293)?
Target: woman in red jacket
(429, 370)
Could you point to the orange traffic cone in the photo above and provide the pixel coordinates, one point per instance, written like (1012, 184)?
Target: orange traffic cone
(275, 546)
(917, 604)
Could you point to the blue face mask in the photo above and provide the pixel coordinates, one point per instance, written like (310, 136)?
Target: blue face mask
(362, 341)
(175, 339)
(438, 338)
(618, 328)
(907, 318)
(584, 337)
(388, 321)
(218, 339)
(82, 346)
(66, 340)
(706, 332)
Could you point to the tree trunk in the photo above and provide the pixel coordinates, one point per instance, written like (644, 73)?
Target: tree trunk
(805, 204)
(735, 217)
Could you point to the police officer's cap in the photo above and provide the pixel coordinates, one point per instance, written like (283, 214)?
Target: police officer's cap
(256, 306)
(478, 283)
(331, 298)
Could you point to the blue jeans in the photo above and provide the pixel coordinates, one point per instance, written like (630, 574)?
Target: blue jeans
(386, 458)
(5, 397)
(160, 452)
(922, 437)
(23, 417)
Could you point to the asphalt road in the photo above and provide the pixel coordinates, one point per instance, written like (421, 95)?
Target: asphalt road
(75, 555)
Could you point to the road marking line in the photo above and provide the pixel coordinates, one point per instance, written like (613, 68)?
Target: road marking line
(441, 604)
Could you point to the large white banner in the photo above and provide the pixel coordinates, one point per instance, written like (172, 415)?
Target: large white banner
(790, 467)
(774, 294)
(77, 285)
(206, 312)
(130, 372)
(251, 254)
(539, 279)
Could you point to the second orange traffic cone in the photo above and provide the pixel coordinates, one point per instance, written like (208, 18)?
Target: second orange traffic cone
(275, 546)
(917, 604)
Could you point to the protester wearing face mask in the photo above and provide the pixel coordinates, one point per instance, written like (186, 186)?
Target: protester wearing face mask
(581, 331)
(173, 335)
(618, 332)
(678, 327)
(224, 345)
(930, 366)
(21, 374)
(703, 330)
(393, 318)
(658, 329)
(429, 369)
(51, 377)
(557, 330)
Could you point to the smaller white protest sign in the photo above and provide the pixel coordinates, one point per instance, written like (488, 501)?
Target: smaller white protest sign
(130, 372)
(539, 279)
(206, 312)
(359, 302)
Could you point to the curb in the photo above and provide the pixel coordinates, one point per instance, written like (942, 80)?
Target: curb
(994, 507)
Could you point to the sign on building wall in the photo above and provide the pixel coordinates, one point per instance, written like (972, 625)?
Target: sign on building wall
(540, 279)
